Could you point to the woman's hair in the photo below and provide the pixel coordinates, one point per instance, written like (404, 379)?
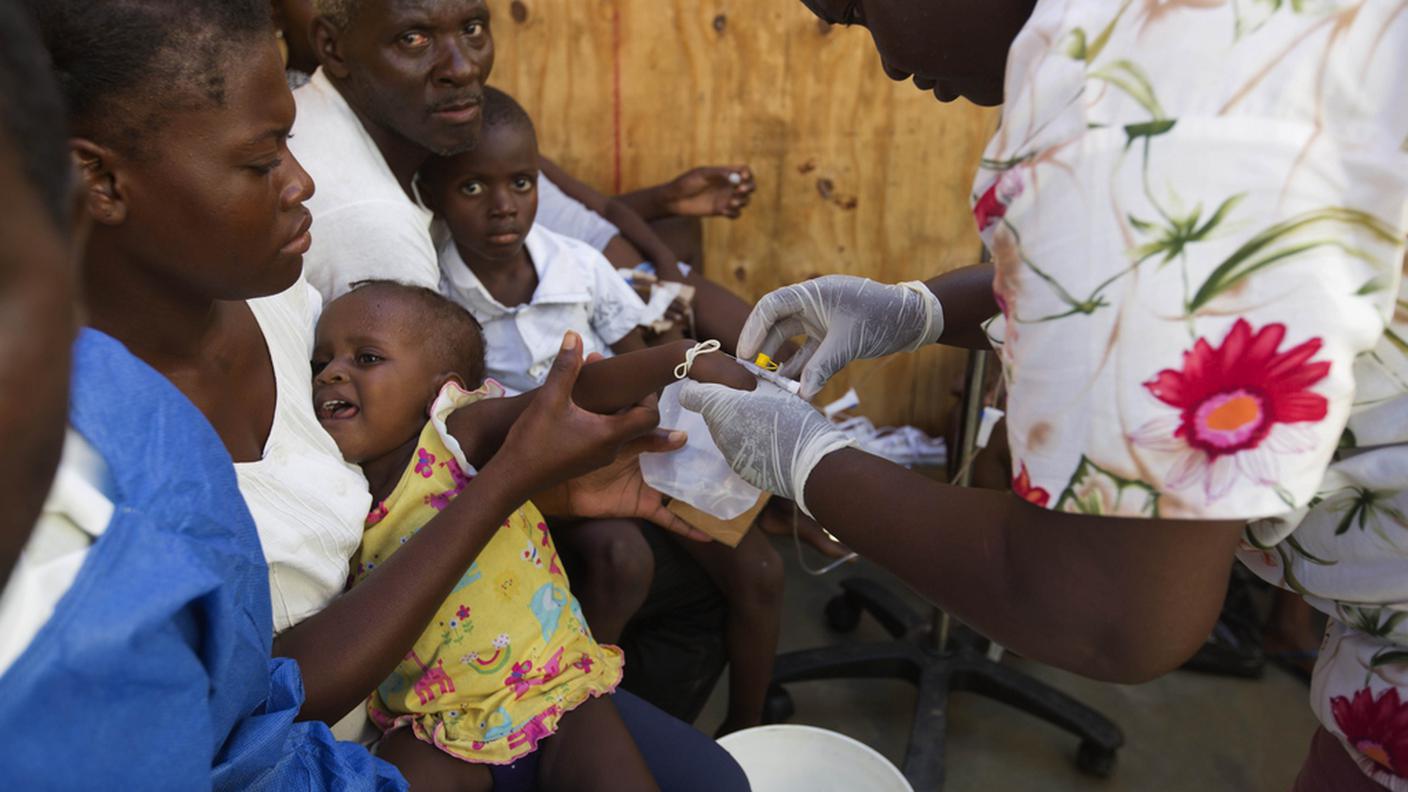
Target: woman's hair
(455, 336)
(125, 65)
(32, 111)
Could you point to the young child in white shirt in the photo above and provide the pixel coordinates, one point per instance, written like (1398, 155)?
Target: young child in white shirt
(527, 286)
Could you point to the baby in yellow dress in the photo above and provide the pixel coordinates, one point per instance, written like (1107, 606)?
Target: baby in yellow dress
(508, 654)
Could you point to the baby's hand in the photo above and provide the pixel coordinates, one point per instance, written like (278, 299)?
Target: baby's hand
(721, 369)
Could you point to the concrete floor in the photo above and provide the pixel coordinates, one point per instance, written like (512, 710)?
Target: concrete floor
(1182, 732)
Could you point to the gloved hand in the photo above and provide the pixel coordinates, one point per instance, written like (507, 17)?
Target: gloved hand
(770, 437)
(845, 318)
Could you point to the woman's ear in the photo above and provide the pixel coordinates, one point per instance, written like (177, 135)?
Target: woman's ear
(101, 188)
(327, 47)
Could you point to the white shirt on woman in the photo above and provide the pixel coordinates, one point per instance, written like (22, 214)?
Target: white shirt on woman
(308, 504)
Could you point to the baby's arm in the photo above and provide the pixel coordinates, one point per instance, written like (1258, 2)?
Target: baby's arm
(603, 387)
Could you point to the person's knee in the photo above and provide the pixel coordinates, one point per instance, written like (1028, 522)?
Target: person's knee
(620, 559)
(761, 577)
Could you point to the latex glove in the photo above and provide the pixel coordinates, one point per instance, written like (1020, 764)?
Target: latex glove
(769, 437)
(844, 318)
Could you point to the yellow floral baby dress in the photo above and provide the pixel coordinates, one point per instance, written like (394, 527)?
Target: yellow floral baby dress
(509, 653)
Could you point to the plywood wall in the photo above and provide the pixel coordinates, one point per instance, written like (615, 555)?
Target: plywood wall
(856, 174)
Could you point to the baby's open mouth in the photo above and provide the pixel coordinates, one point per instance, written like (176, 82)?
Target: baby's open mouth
(336, 409)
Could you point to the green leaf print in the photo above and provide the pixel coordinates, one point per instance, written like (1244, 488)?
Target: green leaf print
(1148, 129)
(1075, 45)
(1271, 247)
(1130, 79)
(1364, 508)
(1376, 622)
(1385, 657)
(1095, 490)
(1176, 233)
(1090, 53)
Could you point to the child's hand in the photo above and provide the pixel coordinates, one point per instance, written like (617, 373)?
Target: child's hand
(721, 369)
(711, 191)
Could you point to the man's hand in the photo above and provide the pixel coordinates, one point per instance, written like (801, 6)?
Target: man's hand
(717, 191)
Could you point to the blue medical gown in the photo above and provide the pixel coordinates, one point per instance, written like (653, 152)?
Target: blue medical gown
(154, 672)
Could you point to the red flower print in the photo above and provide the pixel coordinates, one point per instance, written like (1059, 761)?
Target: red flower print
(1022, 485)
(1376, 727)
(992, 205)
(377, 515)
(1232, 399)
(463, 612)
(584, 663)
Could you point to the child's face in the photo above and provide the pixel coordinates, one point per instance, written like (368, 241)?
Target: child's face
(373, 374)
(489, 196)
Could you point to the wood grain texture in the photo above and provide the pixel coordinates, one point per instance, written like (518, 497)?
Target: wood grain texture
(856, 174)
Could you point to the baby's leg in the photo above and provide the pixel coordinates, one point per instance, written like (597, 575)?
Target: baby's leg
(592, 751)
(429, 769)
(751, 578)
(613, 577)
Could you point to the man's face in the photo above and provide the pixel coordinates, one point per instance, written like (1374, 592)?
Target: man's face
(951, 47)
(418, 67)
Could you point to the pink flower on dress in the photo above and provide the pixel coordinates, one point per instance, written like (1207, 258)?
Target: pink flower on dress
(992, 205)
(1237, 404)
(457, 474)
(463, 612)
(1376, 727)
(1022, 485)
(584, 663)
(425, 463)
(377, 515)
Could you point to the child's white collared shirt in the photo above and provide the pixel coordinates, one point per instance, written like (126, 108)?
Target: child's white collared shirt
(578, 289)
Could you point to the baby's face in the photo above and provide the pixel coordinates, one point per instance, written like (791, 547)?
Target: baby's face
(373, 376)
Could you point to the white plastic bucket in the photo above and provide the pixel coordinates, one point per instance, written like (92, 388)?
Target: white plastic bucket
(793, 758)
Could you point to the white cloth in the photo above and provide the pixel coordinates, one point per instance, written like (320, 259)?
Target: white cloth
(577, 290)
(364, 224)
(563, 214)
(75, 514)
(308, 504)
(1196, 213)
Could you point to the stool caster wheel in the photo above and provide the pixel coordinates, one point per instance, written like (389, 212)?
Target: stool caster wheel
(842, 613)
(778, 706)
(1095, 760)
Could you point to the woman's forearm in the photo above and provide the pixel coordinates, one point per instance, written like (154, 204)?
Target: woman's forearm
(967, 297)
(345, 650)
(1117, 599)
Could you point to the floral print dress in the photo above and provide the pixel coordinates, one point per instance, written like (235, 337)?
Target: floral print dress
(1196, 210)
(509, 653)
